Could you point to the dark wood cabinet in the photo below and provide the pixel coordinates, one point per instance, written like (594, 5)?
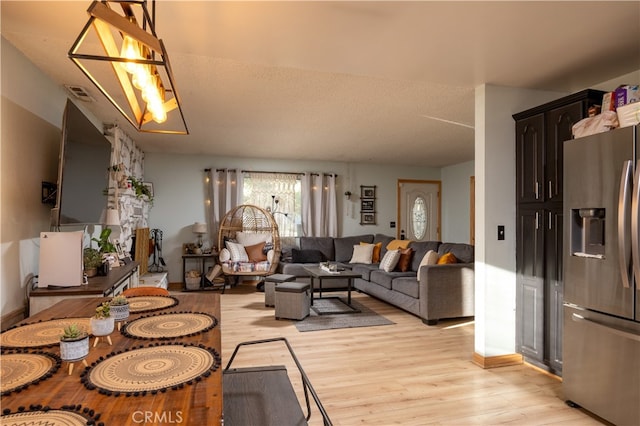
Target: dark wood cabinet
(540, 134)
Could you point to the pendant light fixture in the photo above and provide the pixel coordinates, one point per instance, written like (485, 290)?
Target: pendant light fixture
(143, 89)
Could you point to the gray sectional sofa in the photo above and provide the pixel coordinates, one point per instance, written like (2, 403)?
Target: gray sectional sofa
(443, 291)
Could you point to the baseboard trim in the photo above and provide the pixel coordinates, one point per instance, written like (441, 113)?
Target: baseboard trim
(12, 318)
(497, 361)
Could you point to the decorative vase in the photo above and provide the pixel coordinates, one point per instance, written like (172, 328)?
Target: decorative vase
(102, 326)
(120, 312)
(72, 350)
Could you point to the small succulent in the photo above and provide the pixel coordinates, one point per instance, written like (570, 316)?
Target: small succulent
(103, 311)
(72, 332)
(119, 300)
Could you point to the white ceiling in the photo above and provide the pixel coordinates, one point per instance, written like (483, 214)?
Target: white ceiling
(382, 82)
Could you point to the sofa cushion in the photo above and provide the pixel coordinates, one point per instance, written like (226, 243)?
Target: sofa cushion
(463, 252)
(390, 260)
(306, 256)
(385, 279)
(406, 285)
(404, 263)
(362, 253)
(447, 258)
(421, 248)
(343, 246)
(364, 269)
(252, 238)
(324, 244)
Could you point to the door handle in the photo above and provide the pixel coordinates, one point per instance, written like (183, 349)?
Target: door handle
(624, 195)
(635, 249)
(610, 329)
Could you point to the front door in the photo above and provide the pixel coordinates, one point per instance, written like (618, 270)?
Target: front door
(419, 210)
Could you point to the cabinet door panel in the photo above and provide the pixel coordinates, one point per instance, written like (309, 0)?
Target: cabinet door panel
(559, 123)
(530, 278)
(529, 158)
(553, 289)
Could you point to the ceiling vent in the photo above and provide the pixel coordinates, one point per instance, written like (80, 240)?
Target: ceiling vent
(79, 92)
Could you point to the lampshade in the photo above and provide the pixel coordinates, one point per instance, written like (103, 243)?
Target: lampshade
(199, 228)
(122, 55)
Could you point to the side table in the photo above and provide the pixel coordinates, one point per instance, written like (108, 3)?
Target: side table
(203, 259)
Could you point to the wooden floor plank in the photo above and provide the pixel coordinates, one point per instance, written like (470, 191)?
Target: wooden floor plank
(404, 374)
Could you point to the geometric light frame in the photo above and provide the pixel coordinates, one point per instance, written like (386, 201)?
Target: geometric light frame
(110, 27)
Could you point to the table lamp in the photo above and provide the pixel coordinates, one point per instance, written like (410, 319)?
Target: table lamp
(200, 229)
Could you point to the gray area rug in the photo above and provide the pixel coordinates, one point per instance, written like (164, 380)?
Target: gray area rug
(365, 318)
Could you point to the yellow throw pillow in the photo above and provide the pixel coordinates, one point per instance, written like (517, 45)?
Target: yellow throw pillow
(377, 248)
(447, 258)
(398, 244)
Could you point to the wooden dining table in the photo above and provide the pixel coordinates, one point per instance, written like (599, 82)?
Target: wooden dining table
(196, 403)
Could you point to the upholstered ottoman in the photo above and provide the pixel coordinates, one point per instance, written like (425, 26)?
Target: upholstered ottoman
(292, 300)
(270, 283)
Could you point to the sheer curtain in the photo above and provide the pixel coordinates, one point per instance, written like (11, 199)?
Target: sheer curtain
(319, 205)
(275, 192)
(224, 193)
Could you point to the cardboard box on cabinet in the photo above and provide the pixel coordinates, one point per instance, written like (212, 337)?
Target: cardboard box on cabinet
(629, 115)
(626, 94)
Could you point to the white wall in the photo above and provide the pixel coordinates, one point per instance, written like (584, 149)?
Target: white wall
(495, 205)
(456, 202)
(180, 193)
(32, 108)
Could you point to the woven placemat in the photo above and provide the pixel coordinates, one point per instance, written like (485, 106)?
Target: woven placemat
(22, 369)
(37, 415)
(139, 304)
(169, 325)
(40, 334)
(155, 368)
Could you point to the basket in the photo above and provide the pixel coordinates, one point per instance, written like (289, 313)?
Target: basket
(193, 283)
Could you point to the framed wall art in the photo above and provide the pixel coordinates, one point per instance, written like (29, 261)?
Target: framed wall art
(367, 218)
(367, 192)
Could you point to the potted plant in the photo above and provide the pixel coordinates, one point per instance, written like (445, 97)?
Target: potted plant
(102, 323)
(104, 245)
(92, 260)
(119, 308)
(142, 192)
(74, 343)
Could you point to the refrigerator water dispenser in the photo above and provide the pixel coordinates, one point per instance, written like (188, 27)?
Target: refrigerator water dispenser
(587, 232)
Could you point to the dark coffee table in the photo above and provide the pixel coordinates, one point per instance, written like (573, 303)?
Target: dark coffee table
(319, 274)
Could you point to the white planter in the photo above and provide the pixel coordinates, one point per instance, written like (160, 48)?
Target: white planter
(120, 312)
(74, 350)
(102, 326)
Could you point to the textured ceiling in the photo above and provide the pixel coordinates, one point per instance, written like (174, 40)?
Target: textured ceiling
(383, 82)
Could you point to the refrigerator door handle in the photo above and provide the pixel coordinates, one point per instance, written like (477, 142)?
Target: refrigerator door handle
(625, 334)
(624, 196)
(635, 249)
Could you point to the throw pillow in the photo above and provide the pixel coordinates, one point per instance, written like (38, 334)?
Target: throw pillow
(390, 260)
(447, 258)
(362, 254)
(306, 256)
(237, 251)
(252, 238)
(404, 263)
(398, 244)
(431, 258)
(377, 248)
(256, 252)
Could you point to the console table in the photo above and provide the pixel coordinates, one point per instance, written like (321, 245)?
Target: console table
(202, 259)
(112, 284)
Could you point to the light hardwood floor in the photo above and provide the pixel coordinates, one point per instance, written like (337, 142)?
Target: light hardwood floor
(406, 373)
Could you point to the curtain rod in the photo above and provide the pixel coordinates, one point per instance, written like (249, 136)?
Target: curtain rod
(273, 173)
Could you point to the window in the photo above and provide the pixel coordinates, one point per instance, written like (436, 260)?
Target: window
(419, 217)
(278, 193)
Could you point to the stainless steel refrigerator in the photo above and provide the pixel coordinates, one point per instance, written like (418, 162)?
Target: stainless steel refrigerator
(601, 336)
